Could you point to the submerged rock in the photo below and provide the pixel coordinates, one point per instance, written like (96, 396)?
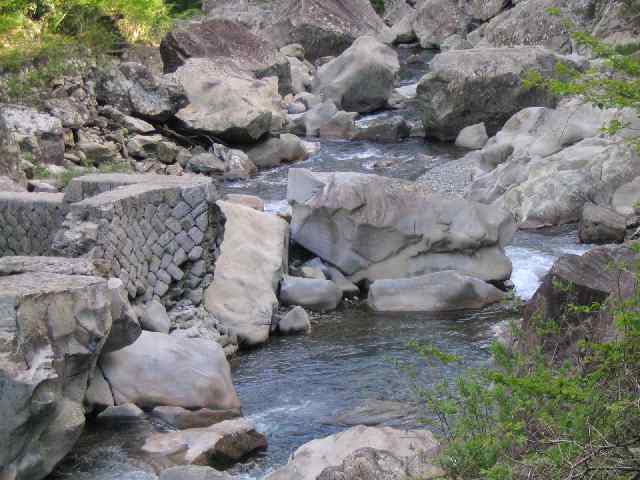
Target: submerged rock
(416, 231)
(194, 472)
(361, 79)
(295, 321)
(436, 292)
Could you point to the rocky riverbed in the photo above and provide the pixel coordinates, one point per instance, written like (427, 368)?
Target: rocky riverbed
(308, 188)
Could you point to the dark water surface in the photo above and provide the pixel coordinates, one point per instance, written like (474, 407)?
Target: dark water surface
(294, 385)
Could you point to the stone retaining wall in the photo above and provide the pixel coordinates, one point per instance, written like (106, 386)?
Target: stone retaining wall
(29, 221)
(158, 233)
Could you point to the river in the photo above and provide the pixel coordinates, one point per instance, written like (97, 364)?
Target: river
(293, 387)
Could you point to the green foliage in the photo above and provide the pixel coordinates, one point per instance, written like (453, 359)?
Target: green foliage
(378, 6)
(528, 418)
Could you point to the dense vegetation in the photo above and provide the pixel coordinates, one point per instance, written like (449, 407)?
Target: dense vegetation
(43, 39)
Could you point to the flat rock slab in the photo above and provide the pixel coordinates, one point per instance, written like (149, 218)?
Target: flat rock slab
(230, 440)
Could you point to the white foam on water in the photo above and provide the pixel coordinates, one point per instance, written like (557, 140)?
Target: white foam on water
(360, 155)
(529, 266)
(265, 420)
(408, 91)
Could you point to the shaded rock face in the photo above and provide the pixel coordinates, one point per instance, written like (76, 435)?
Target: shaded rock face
(9, 155)
(465, 87)
(286, 148)
(134, 90)
(325, 27)
(416, 231)
(435, 20)
(601, 225)
(226, 102)
(219, 38)
(253, 257)
(39, 136)
(577, 280)
(160, 369)
(311, 459)
(53, 328)
(436, 292)
(361, 79)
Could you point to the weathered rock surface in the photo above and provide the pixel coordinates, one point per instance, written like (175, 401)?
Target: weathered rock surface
(416, 231)
(312, 293)
(154, 318)
(127, 411)
(577, 280)
(552, 190)
(309, 461)
(226, 102)
(436, 292)
(10, 157)
(53, 330)
(466, 87)
(295, 321)
(601, 225)
(369, 463)
(230, 440)
(220, 38)
(626, 199)
(58, 265)
(436, 20)
(198, 369)
(361, 79)
(125, 328)
(134, 90)
(253, 257)
(472, 137)
(286, 148)
(38, 135)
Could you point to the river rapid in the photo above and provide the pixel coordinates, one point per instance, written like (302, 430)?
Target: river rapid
(300, 388)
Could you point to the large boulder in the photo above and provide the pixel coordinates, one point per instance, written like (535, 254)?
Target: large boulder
(225, 102)
(599, 276)
(53, 328)
(286, 148)
(601, 225)
(325, 27)
(135, 90)
(373, 227)
(160, 369)
(436, 292)
(436, 20)
(39, 135)
(220, 38)
(626, 199)
(10, 158)
(361, 79)
(312, 458)
(514, 27)
(253, 258)
(454, 95)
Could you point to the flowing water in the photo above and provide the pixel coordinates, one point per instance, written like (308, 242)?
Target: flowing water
(294, 386)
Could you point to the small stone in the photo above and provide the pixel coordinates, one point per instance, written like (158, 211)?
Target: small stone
(295, 321)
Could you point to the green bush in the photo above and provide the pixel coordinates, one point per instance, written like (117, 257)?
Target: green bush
(378, 6)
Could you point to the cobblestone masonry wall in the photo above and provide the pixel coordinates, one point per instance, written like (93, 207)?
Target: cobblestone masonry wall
(29, 221)
(160, 234)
